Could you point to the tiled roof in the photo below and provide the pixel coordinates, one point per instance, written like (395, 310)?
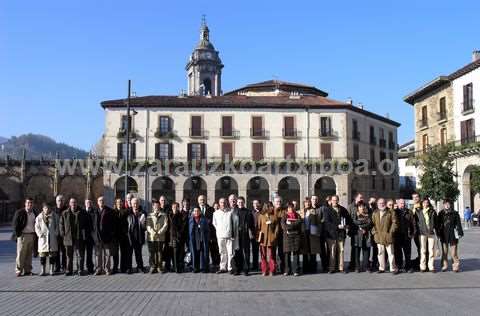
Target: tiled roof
(241, 101)
(440, 81)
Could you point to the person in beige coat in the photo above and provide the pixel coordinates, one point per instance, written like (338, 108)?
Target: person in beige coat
(157, 226)
(384, 226)
(46, 228)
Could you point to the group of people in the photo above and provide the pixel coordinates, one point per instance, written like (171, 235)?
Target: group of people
(228, 237)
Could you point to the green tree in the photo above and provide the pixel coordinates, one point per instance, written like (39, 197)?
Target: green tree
(475, 180)
(438, 178)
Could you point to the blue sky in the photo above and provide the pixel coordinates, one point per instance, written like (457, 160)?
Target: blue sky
(60, 59)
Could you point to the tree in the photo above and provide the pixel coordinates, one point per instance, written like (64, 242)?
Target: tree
(475, 180)
(438, 178)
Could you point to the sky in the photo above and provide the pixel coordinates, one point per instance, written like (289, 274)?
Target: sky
(60, 59)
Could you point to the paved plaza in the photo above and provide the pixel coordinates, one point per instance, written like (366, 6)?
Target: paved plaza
(210, 294)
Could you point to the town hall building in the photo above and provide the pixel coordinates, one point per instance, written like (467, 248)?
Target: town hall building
(269, 121)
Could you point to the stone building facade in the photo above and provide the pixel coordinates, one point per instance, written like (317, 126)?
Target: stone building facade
(460, 92)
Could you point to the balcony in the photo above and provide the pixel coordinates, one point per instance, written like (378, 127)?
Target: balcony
(122, 134)
(468, 107)
(290, 133)
(258, 133)
(162, 133)
(373, 140)
(422, 123)
(356, 135)
(229, 133)
(382, 143)
(327, 133)
(441, 116)
(198, 133)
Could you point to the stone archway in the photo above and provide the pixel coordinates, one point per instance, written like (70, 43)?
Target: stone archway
(257, 189)
(289, 190)
(74, 187)
(325, 186)
(40, 189)
(193, 187)
(164, 186)
(469, 197)
(120, 187)
(224, 187)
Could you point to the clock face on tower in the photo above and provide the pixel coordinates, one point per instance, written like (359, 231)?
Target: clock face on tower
(208, 55)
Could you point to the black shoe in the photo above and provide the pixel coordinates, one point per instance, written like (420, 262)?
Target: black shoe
(395, 272)
(68, 273)
(245, 273)
(380, 271)
(221, 271)
(196, 271)
(129, 271)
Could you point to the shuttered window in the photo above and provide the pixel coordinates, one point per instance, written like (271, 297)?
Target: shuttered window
(227, 126)
(326, 151)
(163, 151)
(289, 150)
(257, 151)
(227, 151)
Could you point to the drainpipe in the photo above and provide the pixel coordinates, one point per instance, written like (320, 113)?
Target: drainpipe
(307, 109)
(147, 187)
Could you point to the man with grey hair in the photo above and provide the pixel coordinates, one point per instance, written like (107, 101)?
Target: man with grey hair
(61, 258)
(222, 221)
(384, 226)
(233, 208)
(404, 235)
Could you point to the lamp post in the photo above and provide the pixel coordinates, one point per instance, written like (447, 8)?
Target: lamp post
(127, 139)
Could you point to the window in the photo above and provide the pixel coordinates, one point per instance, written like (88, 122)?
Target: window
(325, 126)
(373, 181)
(391, 142)
(257, 151)
(163, 151)
(443, 136)
(468, 97)
(424, 142)
(123, 124)
(122, 151)
(355, 133)
(289, 150)
(373, 140)
(196, 126)
(227, 126)
(164, 125)
(289, 126)
(442, 109)
(257, 126)
(384, 186)
(326, 151)
(196, 151)
(424, 117)
(227, 151)
(467, 131)
(383, 156)
(373, 163)
(356, 152)
(392, 183)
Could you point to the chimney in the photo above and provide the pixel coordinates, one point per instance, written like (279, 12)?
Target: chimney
(475, 55)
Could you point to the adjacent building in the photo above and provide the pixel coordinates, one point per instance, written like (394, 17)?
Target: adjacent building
(446, 110)
(270, 121)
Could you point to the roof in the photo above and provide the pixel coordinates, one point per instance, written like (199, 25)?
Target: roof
(242, 101)
(440, 81)
(281, 85)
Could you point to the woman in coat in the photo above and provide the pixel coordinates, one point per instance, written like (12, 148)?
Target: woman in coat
(199, 229)
(47, 230)
(292, 226)
(268, 226)
(449, 230)
(157, 226)
(308, 257)
(360, 235)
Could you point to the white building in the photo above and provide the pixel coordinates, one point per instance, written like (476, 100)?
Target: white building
(263, 122)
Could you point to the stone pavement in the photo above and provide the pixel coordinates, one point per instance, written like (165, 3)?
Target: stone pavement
(210, 294)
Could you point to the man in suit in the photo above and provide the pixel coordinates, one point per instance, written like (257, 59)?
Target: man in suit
(257, 209)
(245, 235)
(208, 211)
(24, 234)
(75, 229)
(91, 240)
(61, 258)
(337, 220)
(105, 226)
(279, 212)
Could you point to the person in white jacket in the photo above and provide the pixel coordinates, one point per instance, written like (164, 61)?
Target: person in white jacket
(46, 228)
(222, 221)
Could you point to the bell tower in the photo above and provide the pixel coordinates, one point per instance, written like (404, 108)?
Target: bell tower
(204, 67)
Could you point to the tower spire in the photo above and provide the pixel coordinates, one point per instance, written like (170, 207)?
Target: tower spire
(204, 31)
